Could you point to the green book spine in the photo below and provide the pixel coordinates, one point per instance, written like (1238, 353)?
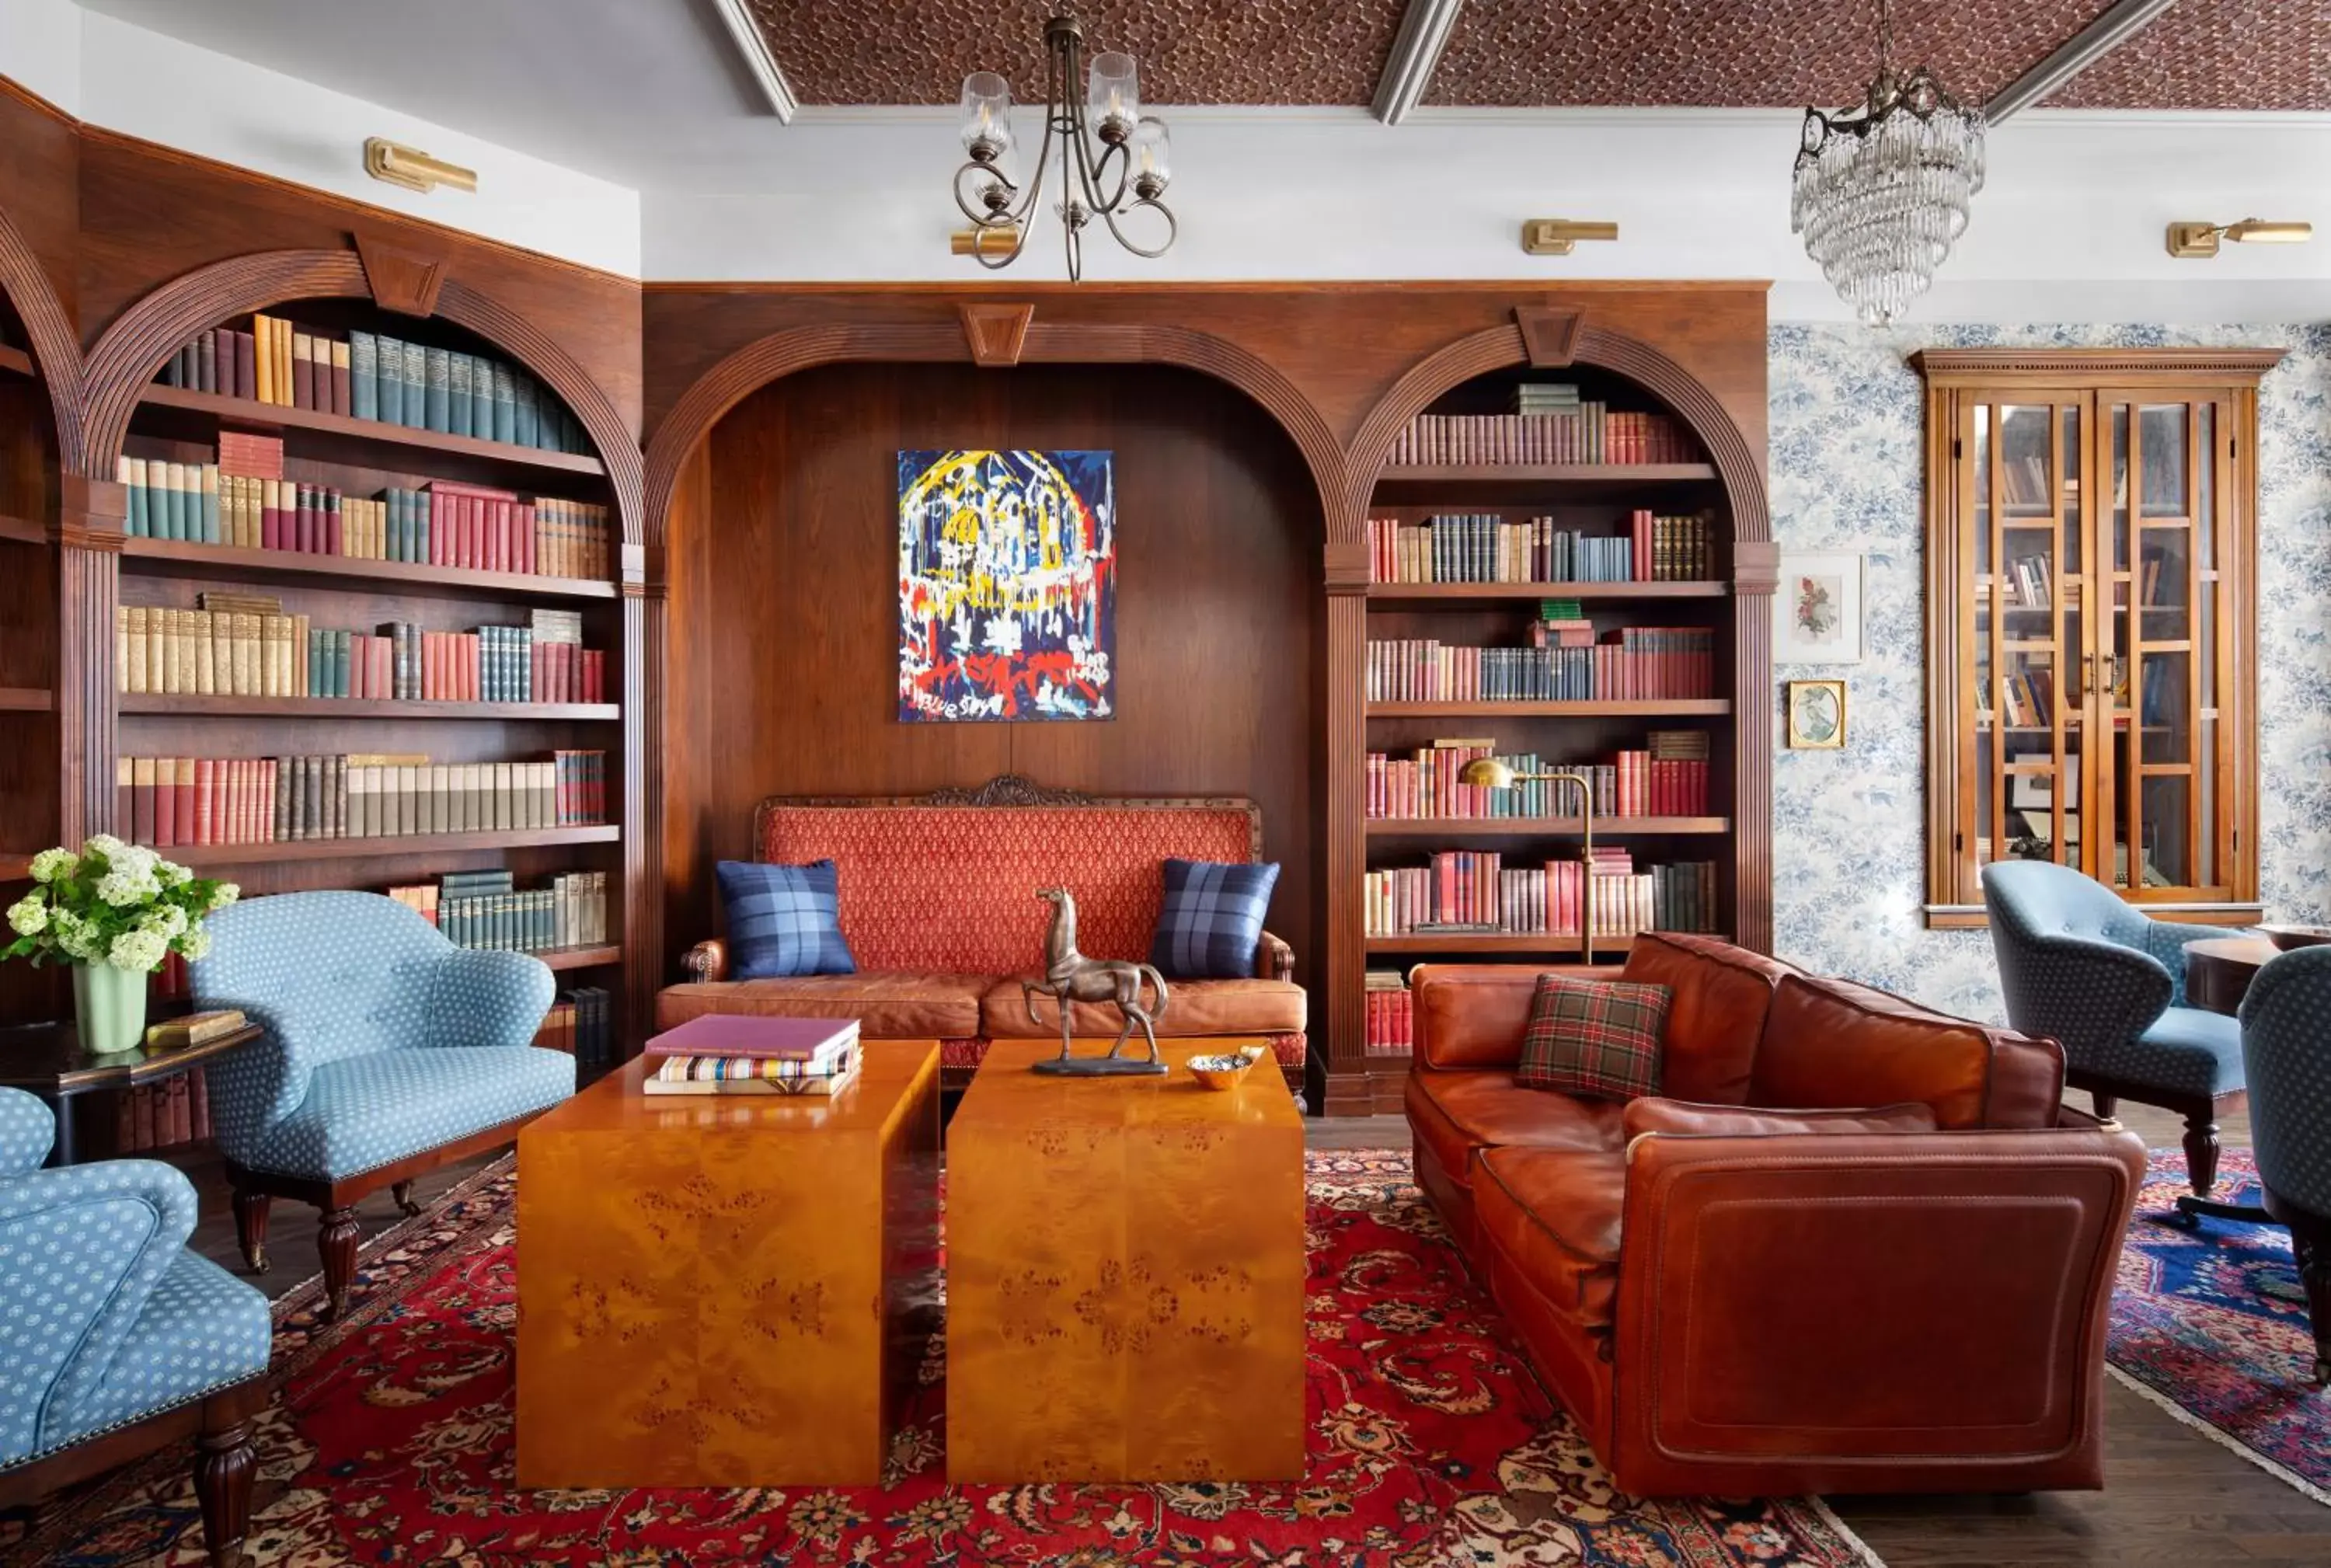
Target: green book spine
(416, 382)
(363, 366)
(461, 378)
(133, 479)
(388, 378)
(505, 403)
(525, 425)
(392, 502)
(437, 391)
(315, 662)
(340, 651)
(174, 503)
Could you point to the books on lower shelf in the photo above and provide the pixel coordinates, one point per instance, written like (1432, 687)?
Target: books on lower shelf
(372, 375)
(245, 646)
(1473, 892)
(1387, 1024)
(488, 910)
(1490, 548)
(168, 801)
(1667, 777)
(156, 1116)
(1551, 425)
(440, 524)
(581, 1023)
(1630, 663)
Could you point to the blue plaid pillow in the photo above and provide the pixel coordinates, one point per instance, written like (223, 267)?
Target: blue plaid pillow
(783, 920)
(1211, 920)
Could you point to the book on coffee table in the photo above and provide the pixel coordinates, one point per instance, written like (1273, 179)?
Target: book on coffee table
(705, 1075)
(725, 1034)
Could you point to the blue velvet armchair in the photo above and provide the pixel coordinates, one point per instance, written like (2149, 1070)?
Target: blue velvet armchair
(2084, 967)
(2286, 1051)
(114, 1339)
(390, 1051)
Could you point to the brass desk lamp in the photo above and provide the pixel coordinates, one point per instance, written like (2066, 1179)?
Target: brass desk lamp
(1488, 773)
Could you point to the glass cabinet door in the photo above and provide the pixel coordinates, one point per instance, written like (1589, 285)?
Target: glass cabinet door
(2028, 639)
(2167, 649)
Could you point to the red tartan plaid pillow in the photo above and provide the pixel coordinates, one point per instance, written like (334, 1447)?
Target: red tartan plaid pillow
(1599, 1038)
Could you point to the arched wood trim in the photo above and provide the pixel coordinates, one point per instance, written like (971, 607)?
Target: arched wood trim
(142, 340)
(1499, 347)
(782, 354)
(56, 346)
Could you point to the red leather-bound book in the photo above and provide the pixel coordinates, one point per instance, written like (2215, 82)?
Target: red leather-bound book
(205, 801)
(338, 350)
(246, 361)
(522, 526)
(595, 676)
(183, 788)
(270, 514)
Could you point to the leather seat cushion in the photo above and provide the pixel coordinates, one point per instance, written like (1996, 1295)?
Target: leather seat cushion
(889, 1004)
(1456, 1112)
(1193, 1007)
(1555, 1214)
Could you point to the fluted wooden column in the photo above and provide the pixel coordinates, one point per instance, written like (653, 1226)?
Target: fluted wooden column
(89, 586)
(1756, 575)
(1346, 1091)
(643, 675)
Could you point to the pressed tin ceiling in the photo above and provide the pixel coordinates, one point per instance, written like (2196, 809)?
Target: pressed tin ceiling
(2201, 54)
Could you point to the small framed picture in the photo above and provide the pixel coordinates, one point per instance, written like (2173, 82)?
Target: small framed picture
(1816, 711)
(1817, 609)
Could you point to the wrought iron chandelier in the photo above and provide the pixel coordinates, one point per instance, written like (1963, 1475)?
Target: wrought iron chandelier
(1882, 190)
(1113, 157)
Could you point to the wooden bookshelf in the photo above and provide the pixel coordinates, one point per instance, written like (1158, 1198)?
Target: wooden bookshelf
(1666, 708)
(228, 562)
(23, 531)
(591, 955)
(361, 707)
(1445, 595)
(25, 700)
(247, 414)
(15, 362)
(404, 846)
(1599, 473)
(1608, 828)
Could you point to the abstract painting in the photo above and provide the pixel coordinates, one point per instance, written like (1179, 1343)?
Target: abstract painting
(1007, 585)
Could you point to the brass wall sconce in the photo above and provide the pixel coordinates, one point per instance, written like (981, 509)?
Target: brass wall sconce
(2190, 241)
(1560, 236)
(415, 170)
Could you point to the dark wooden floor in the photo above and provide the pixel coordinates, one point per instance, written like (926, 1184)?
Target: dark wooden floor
(2172, 1497)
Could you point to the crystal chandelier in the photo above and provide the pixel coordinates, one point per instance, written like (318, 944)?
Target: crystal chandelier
(1113, 157)
(1881, 192)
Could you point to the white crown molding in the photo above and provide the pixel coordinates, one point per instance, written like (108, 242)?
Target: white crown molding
(753, 45)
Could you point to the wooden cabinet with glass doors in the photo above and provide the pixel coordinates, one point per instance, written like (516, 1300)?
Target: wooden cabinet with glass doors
(2091, 646)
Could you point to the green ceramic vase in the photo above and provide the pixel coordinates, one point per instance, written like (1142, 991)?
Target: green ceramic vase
(111, 1003)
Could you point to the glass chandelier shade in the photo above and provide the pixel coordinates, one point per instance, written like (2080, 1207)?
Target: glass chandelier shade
(1881, 192)
(1113, 159)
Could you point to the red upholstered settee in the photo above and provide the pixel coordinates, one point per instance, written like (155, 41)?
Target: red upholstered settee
(1731, 1311)
(940, 907)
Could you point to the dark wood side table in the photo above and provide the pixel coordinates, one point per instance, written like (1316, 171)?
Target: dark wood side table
(47, 1059)
(2218, 971)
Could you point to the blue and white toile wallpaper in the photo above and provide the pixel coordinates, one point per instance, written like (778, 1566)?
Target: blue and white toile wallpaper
(1848, 851)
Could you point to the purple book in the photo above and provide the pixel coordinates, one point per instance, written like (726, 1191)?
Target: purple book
(771, 1039)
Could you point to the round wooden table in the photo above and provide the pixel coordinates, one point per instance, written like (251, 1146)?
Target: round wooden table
(2218, 971)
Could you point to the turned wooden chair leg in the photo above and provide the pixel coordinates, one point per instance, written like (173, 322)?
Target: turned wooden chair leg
(2310, 1248)
(2201, 1153)
(401, 1194)
(336, 1239)
(2106, 1104)
(251, 1209)
(226, 1463)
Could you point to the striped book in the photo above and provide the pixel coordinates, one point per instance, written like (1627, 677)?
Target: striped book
(726, 1075)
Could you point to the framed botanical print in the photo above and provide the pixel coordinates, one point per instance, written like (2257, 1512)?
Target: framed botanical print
(1816, 715)
(1817, 609)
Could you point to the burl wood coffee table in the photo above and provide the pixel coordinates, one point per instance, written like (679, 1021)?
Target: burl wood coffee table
(724, 1291)
(1125, 1274)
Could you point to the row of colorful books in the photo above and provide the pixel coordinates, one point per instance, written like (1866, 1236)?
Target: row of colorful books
(1490, 548)
(1387, 1021)
(1634, 663)
(196, 801)
(1471, 892)
(370, 375)
(1545, 431)
(259, 652)
(724, 1054)
(1667, 777)
(582, 1023)
(488, 910)
(156, 1116)
(440, 524)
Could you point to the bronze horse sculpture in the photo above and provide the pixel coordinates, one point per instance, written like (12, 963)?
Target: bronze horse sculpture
(1071, 977)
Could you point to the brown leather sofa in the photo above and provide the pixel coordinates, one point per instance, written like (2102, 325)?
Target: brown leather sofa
(1728, 1310)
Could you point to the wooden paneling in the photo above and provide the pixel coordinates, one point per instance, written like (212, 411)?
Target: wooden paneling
(783, 635)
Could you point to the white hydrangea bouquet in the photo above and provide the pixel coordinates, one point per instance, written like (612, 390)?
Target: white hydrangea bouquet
(114, 911)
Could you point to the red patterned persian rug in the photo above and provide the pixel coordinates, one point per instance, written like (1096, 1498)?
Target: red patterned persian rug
(2211, 1324)
(1431, 1445)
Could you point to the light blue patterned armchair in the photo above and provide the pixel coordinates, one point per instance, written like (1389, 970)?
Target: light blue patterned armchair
(114, 1339)
(2084, 967)
(2286, 1051)
(390, 1051)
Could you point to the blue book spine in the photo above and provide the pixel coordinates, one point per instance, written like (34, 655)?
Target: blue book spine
(524, 421)
(461, 378)
(210, 503)
(437, 391)
(132, 472)
(363, 368)
(505, 403)
(388, 378)
(416, 382)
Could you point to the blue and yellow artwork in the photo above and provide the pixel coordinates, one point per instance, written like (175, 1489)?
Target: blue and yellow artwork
(1007, 585)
